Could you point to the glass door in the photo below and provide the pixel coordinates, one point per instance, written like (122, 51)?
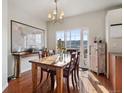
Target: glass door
(76, 39)
(84, 49)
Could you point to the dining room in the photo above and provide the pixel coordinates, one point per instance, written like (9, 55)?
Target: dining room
(62, 46)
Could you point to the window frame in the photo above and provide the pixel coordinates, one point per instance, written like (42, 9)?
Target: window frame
(65, 38)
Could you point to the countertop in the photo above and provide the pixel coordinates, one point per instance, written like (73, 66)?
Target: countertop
(116, 53)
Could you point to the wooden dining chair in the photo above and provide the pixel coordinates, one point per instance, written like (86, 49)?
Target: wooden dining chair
(49, 72)
(43, 54)
(66, 72)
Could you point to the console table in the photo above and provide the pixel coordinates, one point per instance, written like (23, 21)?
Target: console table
(17, 56)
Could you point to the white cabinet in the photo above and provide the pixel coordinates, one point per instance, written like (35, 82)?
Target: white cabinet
(97, 58)
(116, 31)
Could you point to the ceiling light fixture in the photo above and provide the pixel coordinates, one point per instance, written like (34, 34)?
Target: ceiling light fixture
(56, 15)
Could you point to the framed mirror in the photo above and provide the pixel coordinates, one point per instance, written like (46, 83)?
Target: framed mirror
(25, 37)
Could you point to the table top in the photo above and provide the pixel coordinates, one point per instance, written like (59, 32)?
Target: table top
(116, 53)
(23, 53)
(53, 61)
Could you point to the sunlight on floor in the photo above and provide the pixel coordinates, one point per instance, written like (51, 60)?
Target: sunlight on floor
(103, 89)
(91, 84)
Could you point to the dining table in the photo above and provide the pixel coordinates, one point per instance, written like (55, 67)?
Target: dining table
(54, 62)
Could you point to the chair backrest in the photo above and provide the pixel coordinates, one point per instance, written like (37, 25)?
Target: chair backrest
(51, 52)
(40, 54)
(73, 55)
(72, 62)
(71, 50)
(77, 58)
(43, 54)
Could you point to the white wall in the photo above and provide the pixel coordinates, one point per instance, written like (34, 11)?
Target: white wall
(24, 17)
(4, 43)
(94, 21)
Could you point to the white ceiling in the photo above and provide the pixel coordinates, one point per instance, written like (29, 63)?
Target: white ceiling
(39, 8)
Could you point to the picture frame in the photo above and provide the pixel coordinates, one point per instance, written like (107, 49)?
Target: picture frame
(25, 37)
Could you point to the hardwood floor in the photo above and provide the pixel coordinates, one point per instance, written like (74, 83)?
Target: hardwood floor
(24, 85)
(100, 82)
(104, 81)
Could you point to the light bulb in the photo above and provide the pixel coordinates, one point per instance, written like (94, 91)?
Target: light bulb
(53, 18)
(54, 12)
(49, 16)
(60, 17)
(62, 13)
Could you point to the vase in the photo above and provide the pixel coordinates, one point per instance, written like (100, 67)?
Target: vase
(61, 57)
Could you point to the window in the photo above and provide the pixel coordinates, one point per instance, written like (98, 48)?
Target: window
(75, 39)
(60, 37)
(70, 38)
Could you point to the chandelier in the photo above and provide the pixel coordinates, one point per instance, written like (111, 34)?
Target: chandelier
(56, 15)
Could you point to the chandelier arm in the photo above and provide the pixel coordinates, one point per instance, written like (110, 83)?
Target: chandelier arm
(56, 10)
(56, 15)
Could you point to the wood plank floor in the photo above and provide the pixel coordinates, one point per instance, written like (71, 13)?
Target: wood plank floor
(24, 85)
(104, 81)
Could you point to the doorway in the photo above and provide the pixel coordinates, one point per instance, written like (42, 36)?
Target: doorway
(84, 49)
(76, 39)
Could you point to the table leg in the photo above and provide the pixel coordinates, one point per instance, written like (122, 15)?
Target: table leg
(17, 66)
(59, 77)
(34, 77)
(52, 81)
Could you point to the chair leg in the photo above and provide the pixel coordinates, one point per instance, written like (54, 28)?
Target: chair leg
(68, 84)
(78, 72)
(73, 79)
(41, 77)
(75, 76)
(47, 75)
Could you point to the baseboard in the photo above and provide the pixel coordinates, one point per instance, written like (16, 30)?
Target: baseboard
(11, 78)
(4, 87)
(24, 70)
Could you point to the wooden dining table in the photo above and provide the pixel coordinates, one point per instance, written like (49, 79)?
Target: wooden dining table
(51, 63)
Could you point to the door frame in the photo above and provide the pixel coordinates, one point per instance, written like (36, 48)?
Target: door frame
(82, 49)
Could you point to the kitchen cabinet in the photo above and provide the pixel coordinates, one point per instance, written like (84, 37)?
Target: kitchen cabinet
(115, 70)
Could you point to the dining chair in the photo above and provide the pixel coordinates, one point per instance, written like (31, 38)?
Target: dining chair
(49, 72)
(43, 54)
(66, 72)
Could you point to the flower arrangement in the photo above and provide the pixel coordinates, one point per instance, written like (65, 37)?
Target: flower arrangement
(60, 46)
(64, 50)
